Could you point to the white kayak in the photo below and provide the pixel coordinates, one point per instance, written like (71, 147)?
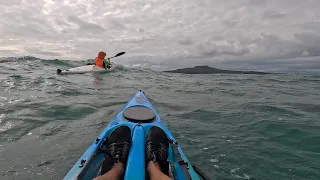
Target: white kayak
(84, 69)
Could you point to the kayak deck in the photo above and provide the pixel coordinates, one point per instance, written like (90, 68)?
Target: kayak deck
(139, 115)
(84, 69)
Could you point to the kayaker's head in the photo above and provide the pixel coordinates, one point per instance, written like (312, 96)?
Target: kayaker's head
(102, 55)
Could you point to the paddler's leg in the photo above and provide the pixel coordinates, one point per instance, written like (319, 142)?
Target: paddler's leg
(155, 172)
(116, 156)
(115, 173)
(157, 154)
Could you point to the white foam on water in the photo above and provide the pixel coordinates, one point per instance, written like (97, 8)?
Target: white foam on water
(6, 126)
(234, 170)
(214, 160)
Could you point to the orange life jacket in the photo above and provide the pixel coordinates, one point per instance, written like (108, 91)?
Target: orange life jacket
(99, 62)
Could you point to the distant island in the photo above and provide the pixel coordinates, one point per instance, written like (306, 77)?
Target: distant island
(210, 70)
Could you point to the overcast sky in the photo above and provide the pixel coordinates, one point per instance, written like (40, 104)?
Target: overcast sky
(252, 34)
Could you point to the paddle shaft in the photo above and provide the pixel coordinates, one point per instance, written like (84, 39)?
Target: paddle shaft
(119, 54)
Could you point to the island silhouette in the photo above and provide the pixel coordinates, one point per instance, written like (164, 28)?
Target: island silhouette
(211, 70)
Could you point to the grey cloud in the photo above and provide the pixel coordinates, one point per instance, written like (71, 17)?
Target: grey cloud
(235, 52)
(310, 43)
(309, 38)
(257, 2)
(216, 37)
(42, 52)
(8, 3)
(85, 26)
(185, 41)
(211, 50)
(208, 52)
(311, 26)
(230, 23)
(120, 25)
(273, 15)
(5, 51)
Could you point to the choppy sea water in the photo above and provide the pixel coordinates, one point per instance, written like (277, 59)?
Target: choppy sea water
(230, 126)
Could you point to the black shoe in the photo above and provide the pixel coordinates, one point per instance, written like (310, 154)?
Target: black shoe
(118, 147)
(157, 148)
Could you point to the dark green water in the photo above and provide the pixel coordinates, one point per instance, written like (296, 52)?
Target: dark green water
(231, 126)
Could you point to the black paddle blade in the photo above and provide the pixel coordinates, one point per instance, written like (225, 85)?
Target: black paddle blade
(119, 54)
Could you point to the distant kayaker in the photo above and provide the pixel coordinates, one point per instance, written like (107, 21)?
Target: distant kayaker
(101, 62)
